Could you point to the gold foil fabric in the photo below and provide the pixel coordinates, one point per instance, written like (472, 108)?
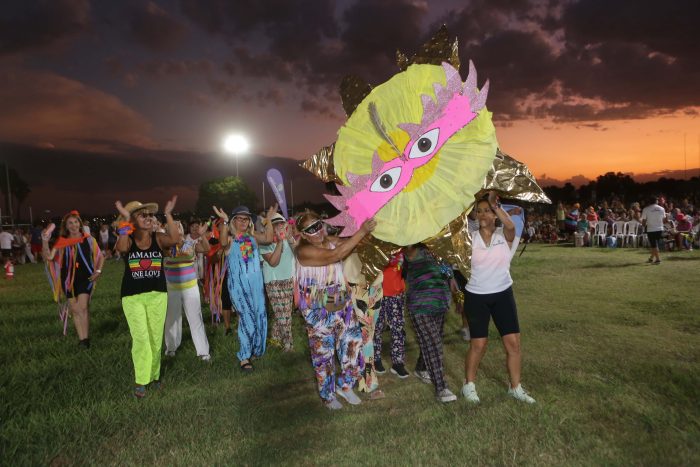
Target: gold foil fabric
(375, 254)
(352, 91)
(512, 179)
(437, 50)
(321, 165)
(453, 244)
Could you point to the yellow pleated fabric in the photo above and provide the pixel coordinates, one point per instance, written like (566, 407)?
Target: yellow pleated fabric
(439, 191)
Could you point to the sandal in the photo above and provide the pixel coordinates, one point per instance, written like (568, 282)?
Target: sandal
(140, 392)
(247, 367)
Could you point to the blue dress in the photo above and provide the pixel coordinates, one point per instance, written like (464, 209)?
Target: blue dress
(245, 285)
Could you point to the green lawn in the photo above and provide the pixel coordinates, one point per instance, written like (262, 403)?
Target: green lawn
(611, 353)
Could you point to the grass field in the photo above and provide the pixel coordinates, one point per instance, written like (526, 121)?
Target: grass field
(611, 353)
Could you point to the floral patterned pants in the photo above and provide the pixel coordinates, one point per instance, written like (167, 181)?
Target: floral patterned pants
(334, 334)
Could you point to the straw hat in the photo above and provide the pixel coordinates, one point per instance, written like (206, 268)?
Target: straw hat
(135, 206)
(278, 218)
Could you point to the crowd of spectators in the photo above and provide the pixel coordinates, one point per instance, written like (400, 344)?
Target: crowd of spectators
(612, 223)
(607, 223)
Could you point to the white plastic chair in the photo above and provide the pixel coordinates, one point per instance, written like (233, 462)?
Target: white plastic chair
(600, 234)
(592, 225)
(634, 232)
(619, 231)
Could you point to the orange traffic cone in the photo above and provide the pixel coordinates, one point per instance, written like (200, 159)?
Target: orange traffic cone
(9, 270)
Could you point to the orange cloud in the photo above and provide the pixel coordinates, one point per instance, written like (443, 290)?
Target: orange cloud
(43, 108)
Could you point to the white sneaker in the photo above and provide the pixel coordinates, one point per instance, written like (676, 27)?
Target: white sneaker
(205, 358)
(424, 376)
(446, 396)
(469, 393)
(349, 396)
(464, 332)
(169, 353)
(520, 394)
(333, 404)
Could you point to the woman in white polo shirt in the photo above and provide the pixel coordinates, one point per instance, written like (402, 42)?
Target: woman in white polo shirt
(489, 295)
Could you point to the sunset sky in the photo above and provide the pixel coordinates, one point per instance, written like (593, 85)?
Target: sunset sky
(578, 88)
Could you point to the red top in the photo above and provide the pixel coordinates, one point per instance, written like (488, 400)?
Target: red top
(393, 282)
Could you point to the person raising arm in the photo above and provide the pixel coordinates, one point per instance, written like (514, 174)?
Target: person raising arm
(489, 294)
(144, 292)
(325, 302)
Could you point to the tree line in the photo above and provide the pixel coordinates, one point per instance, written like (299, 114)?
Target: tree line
(623, 187)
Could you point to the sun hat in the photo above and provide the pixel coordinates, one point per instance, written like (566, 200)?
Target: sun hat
(278, 218)
(135, 206)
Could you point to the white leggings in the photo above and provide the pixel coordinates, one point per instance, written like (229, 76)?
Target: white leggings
(190, 301)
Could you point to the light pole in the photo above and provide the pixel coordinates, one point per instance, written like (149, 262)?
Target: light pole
(9, 191)
(235, 145)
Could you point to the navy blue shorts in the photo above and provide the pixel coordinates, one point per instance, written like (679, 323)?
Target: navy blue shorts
(80, 286)
(654, 238)
(480, 308)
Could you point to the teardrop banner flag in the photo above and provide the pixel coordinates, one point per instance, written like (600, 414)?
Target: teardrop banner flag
(274, 178)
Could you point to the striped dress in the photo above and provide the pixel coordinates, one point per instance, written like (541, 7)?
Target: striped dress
(428, 291)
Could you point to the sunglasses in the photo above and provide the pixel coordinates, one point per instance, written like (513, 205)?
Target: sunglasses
(242, 219)
(146, 214)
(313, 228)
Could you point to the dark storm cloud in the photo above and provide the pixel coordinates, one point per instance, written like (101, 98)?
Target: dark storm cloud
(40, 107)
(304, 43)
(479, 19)
(563, 112)
(170, 68)
(225, 89)
(116, 68)
(565, 60)
(635, 52)
(271, 95)
(376, 28)
(315, 105)
(153, 27)
(618, 72)
(277, 17)
(274, 40)
(517, 64)
(632, 58)
(34, 24)
(669, 27)
(265, 64)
